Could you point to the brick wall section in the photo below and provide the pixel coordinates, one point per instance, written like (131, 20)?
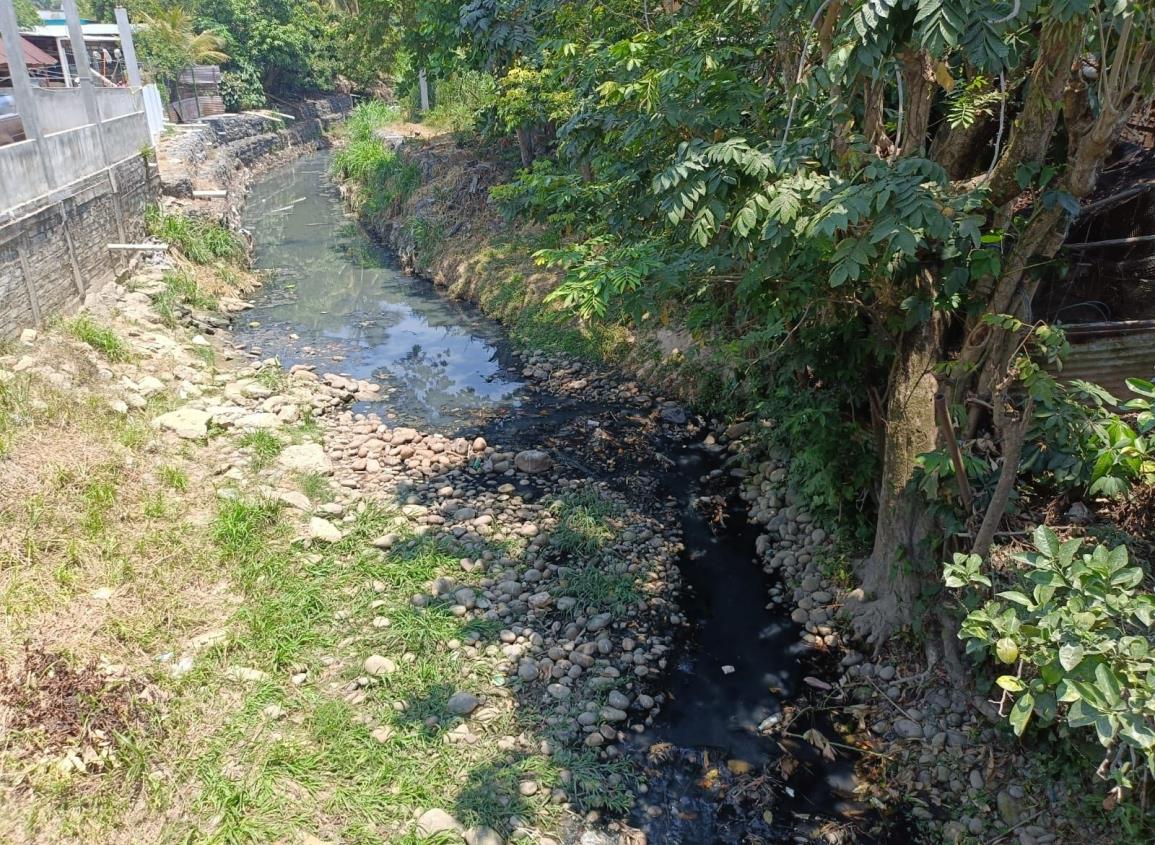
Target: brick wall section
(51, 255)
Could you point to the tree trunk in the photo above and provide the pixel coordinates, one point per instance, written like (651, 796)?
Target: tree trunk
(525, 145)
(895, 574)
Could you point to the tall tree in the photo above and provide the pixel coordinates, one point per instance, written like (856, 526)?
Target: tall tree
(906, 166)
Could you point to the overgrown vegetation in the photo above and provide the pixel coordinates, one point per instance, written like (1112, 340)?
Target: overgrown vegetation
(365, 159)
(277, 48)
(199, 239)
(849, 208)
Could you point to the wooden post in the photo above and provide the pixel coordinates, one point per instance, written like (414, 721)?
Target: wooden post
(76, 274)
(22, 254)
(423, 85)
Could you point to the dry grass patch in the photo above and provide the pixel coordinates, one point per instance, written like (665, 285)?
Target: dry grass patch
(106, 575)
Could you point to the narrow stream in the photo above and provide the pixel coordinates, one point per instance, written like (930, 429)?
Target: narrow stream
(336, 300)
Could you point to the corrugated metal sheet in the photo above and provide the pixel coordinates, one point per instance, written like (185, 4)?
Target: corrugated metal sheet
(200, 75)
(1110, 353)
(192, 109)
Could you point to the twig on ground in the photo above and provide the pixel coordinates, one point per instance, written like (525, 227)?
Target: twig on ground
(1013, 828)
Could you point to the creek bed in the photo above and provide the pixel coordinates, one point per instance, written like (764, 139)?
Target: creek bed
(336, 300)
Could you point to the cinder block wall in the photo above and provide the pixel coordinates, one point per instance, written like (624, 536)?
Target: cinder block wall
(52, 256)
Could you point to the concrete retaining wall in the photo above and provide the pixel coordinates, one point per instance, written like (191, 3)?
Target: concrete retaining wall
(55, 253)
(217, 157)
(68, 155)
(59, 109)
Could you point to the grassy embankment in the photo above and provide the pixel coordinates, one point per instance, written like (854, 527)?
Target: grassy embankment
(209, 660)
(460, 240)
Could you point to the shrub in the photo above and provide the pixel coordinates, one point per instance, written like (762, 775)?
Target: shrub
(458, 100)
(1076, 625)
(241, 87)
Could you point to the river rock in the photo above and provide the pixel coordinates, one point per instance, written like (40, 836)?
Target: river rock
(377, 665)
(908, 728)
(599, 621)
(323, 531)
(188, 423)
(1009, 808)
(294, 499)
(533, 461)
(433, 822)
(401, 436)
(618, 699)
(305, 457)
(462, 703)
(483, 836)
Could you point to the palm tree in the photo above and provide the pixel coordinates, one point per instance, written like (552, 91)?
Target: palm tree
(168, 43)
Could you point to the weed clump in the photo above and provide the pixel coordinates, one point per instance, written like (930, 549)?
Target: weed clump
(101, 338)
(181, 289)
(202, 241)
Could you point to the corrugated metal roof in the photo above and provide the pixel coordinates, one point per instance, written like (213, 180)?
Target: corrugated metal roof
(33, 55)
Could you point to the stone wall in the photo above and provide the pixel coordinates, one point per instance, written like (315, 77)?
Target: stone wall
(54, 254)
(222, 156)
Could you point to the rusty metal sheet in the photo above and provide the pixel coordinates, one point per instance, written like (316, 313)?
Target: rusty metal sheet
(1110, 353)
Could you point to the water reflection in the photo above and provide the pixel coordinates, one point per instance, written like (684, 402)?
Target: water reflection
(344, 298)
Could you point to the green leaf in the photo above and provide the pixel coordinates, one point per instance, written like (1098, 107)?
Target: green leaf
(1010, 683)
(1109, 685)
(1070, 655)
(1021, 713)
(1081, 714)
(1018, 598)
(1137, 732)
(1046, 541)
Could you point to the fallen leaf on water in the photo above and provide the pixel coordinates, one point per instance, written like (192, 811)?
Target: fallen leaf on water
(739, 767)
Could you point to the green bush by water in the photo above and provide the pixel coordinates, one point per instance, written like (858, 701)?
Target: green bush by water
(366, 161)
(200, 240)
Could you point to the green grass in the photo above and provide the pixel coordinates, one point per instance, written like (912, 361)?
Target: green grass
(273, 377)
(241, 526)
(181, 288)
(320, 767)
(173, 478)
(263, 447)
(584, 522)
(385, 180)
(206, 354)
(14, 404)
(101, 338)
(199, 239)
(315, 486)
(593, 586)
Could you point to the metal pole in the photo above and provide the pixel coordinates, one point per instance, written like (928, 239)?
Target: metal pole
(22, 83)
(128, 48)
